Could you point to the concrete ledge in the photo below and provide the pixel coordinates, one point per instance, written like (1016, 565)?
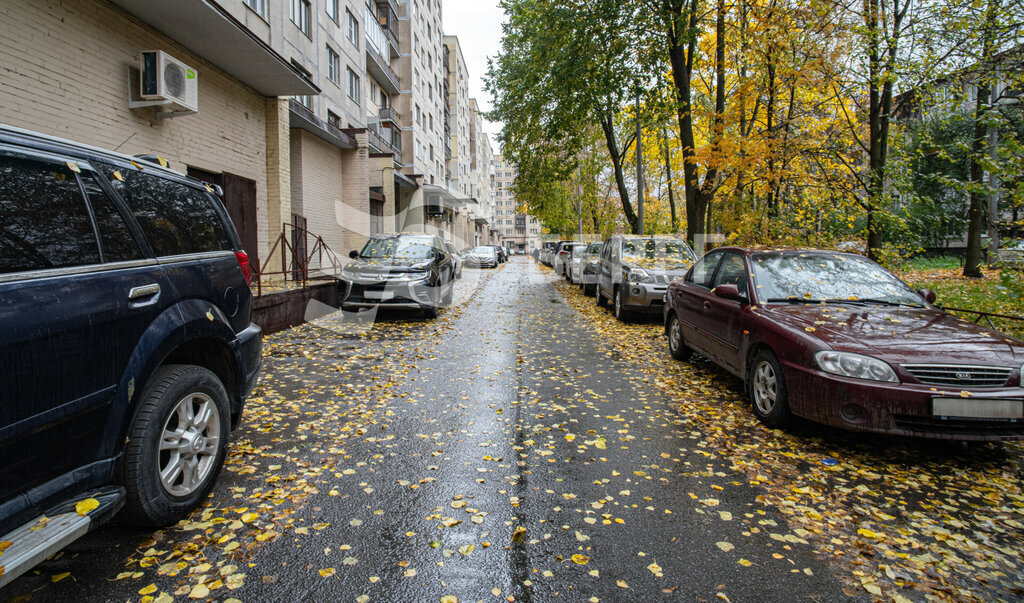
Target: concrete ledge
(278, 311)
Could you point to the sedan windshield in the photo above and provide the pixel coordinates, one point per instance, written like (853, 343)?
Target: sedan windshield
(668, 253)
(815, 277)
(398, 248)
(483, 251)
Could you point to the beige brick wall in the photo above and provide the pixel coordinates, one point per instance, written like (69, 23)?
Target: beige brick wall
(279, 204)
(353, 211)
(331, 190)
(64, 71)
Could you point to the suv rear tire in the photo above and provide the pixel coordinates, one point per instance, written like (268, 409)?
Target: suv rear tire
(618, 309)
(176, 445)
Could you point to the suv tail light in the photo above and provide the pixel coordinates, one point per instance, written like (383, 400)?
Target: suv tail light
(243, 263)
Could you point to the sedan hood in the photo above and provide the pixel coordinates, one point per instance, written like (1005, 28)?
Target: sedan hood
(901, 334)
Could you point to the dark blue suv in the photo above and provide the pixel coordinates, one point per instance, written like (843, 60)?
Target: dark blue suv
(126, 342)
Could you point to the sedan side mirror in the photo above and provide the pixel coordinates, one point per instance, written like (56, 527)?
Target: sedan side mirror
(353, 254)
(729, 291)
(928, 295)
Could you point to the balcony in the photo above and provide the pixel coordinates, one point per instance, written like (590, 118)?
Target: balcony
(378, 62)
(387, 18)
(383, 140)
(388, 115)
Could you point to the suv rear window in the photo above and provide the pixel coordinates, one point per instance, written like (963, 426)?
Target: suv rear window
(176, 219)
(44, 221)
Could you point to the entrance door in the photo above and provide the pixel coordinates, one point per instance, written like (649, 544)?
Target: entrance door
(240, 201)
(299, 245)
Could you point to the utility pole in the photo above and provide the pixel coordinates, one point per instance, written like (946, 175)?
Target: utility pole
(639, 169)
(579, 196)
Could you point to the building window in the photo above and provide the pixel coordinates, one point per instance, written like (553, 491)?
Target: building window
(353, 28)
(332, 10)
(260, 6)
(333, 119)
(301, 16)
(305, 100)
(353, 85)
(333, 66)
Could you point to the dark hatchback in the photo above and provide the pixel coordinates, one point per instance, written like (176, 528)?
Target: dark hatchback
(126, 338)
(399, 270)
(835, 338)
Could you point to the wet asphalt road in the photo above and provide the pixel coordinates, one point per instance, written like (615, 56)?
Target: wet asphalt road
(501, 452)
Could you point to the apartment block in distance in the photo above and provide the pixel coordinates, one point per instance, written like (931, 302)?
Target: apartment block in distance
(519, 230)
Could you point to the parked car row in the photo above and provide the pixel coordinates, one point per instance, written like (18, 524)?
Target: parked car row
(828, 336)
(127, 339)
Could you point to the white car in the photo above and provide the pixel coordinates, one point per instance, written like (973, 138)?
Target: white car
(580, 256)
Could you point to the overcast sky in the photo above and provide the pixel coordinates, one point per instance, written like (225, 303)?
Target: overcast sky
(477, 23)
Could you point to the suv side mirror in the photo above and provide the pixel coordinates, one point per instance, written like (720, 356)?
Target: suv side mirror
(928, 295)
(353, 254)
(729, 291)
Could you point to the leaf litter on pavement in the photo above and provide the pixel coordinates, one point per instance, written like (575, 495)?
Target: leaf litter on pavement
(900, 519)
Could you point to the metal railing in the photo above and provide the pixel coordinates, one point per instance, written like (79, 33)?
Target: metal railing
(389, 114)
(300, 261)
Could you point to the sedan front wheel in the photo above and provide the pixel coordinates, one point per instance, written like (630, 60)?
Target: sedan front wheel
(767, 388)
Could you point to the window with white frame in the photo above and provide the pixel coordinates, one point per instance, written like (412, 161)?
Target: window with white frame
(353, 85)
(260, 6)
(301, 15)
(332, 10)
(352, 28)
(333, 66)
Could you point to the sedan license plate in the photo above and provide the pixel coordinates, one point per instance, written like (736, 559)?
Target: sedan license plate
(978, 408)
(379, 295)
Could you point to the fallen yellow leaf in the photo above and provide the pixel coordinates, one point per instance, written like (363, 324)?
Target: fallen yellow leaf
(580, 559)
(83, 507)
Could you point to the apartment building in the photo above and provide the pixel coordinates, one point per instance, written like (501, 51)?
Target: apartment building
(518, 230)
(480, 168)
(72, 69)
(322, 120)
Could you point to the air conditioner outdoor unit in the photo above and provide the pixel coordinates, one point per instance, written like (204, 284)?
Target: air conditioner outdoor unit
(165, 78)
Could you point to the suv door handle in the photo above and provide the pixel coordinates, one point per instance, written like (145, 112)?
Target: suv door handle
(143, 291)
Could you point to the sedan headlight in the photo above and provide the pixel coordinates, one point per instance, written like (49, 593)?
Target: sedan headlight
(639, 275)
(857, 366)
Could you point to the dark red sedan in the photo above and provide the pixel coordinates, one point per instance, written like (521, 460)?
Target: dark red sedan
(837, 339)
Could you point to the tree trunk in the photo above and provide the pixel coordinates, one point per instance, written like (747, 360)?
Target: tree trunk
(668, 177)
(979, 146)
(682, 34)
(979, 200)
(608, 125)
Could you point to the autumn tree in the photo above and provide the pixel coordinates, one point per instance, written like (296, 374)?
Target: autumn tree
(567, 67)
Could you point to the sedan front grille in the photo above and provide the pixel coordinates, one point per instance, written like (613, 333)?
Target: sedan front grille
(959, 375)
